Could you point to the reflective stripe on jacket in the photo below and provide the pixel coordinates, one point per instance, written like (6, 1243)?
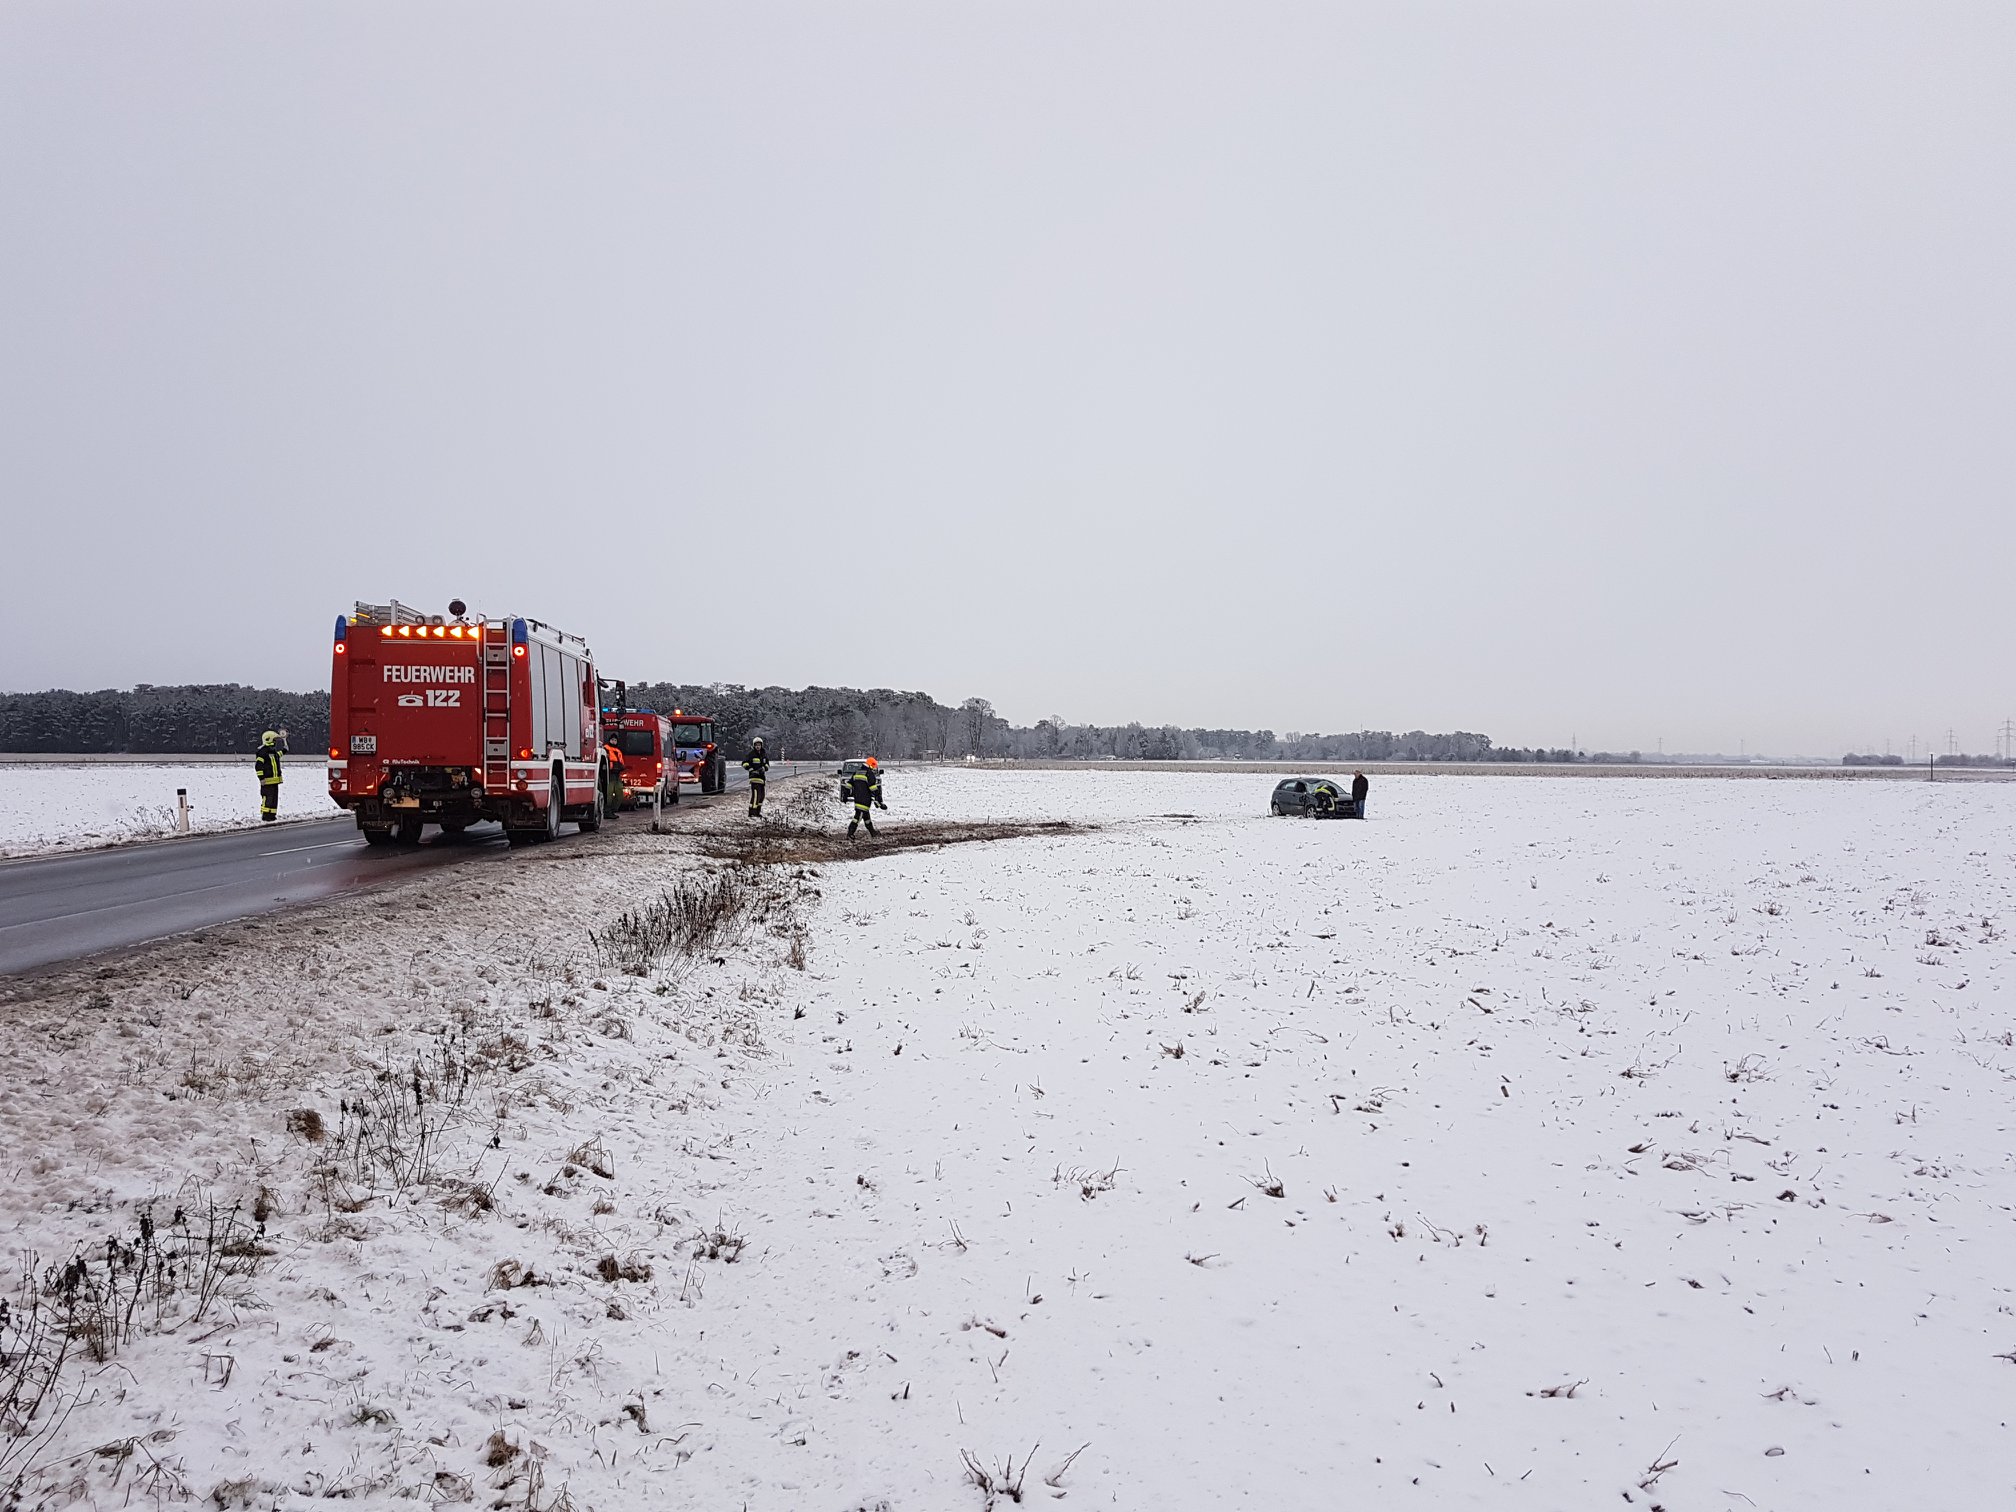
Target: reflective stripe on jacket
(266, 762)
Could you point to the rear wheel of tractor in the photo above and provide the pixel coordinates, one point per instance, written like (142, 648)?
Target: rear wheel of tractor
(406, 829)
(556, 802)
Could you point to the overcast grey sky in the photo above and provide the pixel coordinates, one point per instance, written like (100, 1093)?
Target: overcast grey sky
(1637, 370)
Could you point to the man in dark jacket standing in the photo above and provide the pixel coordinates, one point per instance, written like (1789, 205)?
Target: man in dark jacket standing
(865, 788)
(266, 763)
(1359, 788)
(757, 765)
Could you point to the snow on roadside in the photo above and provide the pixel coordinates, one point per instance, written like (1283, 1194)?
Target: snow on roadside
(76, 805)
(1614, 1126)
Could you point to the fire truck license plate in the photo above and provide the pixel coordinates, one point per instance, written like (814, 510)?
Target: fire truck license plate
(364, 745)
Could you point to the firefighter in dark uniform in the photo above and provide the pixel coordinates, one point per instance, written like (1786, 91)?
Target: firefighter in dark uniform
(757, 765)
(612, 778)
(1359, 788)
(1326, 796)
(865, 788)
(266, 762)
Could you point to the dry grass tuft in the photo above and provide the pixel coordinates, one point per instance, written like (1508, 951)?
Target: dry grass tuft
(610, 1268)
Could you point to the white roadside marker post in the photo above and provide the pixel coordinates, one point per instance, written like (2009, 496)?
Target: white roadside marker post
(181, 811)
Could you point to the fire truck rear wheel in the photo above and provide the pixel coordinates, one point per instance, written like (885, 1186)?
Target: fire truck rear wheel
(556, 802)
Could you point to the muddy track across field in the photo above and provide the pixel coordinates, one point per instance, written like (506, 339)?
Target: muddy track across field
(792, 845)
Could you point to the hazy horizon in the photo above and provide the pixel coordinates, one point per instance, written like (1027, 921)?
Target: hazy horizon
(1551, 370)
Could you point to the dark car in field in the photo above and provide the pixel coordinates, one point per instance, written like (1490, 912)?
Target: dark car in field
(1297, 798)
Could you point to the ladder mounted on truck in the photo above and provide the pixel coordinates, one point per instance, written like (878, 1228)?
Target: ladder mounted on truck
(496, 706)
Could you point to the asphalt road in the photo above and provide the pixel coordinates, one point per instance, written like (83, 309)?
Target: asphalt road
(60, 908)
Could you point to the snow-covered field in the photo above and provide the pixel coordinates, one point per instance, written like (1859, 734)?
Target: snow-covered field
(1537, 1145)
(73, 805)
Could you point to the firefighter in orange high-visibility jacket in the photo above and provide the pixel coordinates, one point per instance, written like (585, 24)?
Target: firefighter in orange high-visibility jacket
(266, 762)
(612, 778)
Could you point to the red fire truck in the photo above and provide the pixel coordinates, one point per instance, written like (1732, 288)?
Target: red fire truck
(448, 721)
(699, 761)
(650, 761)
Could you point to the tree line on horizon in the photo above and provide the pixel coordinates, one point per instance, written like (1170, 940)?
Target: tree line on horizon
(1891, 759)
(808, 723)
(193, 719)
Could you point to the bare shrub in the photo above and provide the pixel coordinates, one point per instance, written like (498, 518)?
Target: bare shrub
(719, 1245)
(700, 910)
(811, 805)
(1004, 1481)
(34, 1347)
(1090, 1182)
(151, 1279)
(389, 1132)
